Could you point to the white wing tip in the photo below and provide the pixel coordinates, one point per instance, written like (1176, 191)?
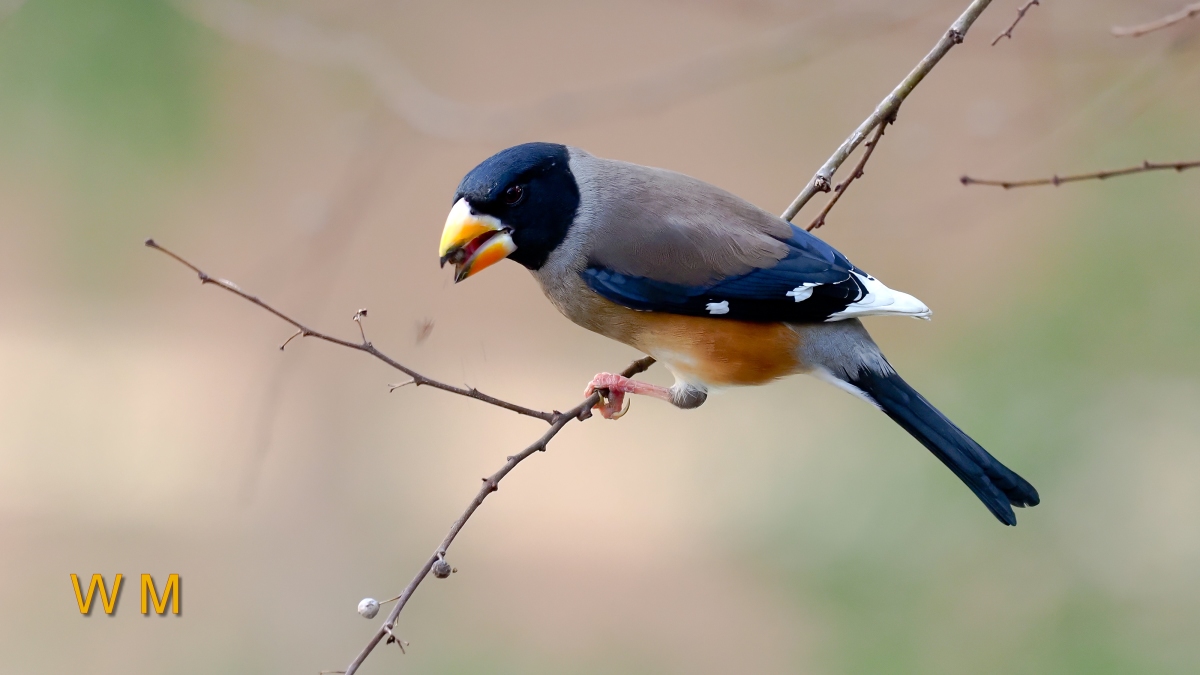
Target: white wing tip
(881, 300)
(907, 305)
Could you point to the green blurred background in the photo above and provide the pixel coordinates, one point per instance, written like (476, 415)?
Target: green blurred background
(309, 150)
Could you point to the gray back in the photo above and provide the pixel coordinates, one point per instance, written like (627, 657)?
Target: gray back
(670, 227)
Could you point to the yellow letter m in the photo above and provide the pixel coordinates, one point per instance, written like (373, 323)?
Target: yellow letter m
(150, 596)
(109, 601)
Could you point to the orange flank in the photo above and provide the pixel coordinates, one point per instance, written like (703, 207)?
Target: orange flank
(715, 352)
(720, 352)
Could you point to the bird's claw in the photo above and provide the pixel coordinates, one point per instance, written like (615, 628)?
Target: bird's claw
(613, 405)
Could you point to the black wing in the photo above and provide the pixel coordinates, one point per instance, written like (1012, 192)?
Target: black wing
(811, 283)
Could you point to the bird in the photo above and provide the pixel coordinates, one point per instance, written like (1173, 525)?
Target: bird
(718, 290)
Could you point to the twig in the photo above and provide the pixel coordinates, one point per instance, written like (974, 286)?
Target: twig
(1020, 15)
(299, 333)
(1139, 30)
(841, 188)
(392, 637)
(358, 317)
(364, 346)
(1099, 175)
(887, 108)
(490, 485)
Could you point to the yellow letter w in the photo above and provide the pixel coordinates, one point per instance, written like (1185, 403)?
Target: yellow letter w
(85, 604)
(170, 591)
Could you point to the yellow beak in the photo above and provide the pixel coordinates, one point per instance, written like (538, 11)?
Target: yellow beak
(473, 241)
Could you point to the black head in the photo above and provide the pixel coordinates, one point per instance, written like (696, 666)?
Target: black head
(530, 189)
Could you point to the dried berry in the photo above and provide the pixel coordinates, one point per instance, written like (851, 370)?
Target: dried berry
(441, 569)
(369, 607)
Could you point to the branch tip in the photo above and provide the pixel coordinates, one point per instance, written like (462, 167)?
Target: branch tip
(358, 317)
(299, 333)
(1057, 180)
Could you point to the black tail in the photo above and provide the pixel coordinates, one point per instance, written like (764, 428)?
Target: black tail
(995, 484)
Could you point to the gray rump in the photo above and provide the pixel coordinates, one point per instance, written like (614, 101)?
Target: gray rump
(843, 348)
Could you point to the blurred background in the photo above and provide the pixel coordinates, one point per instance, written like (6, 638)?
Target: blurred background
(309, 151)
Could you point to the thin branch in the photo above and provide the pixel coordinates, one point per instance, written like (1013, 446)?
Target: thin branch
(490, 485)
(364, 346)
(1139, 30)
(887, 108)
(1020, 15)
(1057, 180)
(841, 188)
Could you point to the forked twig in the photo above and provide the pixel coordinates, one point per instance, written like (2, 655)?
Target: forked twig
(841, 188)
(1020, 15)
(887, 108)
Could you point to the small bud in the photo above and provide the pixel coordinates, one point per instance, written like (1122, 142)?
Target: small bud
(441, 569)
(369, 607)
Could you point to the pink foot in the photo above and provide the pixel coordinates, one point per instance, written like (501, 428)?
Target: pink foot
(612, 406)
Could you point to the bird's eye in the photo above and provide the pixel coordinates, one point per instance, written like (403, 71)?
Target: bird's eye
(514, 195)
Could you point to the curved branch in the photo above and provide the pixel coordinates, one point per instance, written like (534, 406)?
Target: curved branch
(887, 108)
(1057, 180)
(364, 346)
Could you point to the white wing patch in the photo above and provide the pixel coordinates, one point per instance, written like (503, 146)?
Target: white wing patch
(882, 300)
(721, 307)
(802, 292)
